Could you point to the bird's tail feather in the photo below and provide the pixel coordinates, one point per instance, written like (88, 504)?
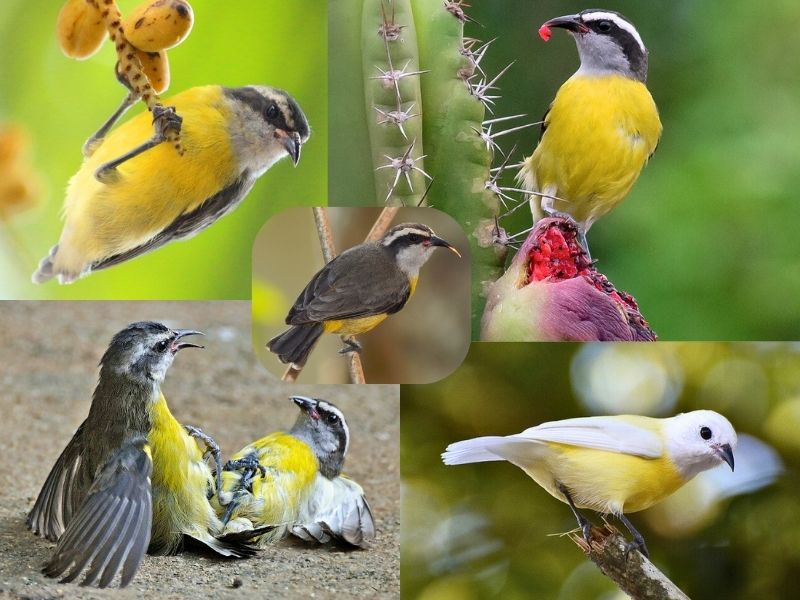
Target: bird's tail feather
(295, 344)
(45, 271)
(235, 545)
(472, 451)
(515, 449)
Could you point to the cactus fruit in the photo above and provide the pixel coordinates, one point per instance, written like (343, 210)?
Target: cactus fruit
(553, 292)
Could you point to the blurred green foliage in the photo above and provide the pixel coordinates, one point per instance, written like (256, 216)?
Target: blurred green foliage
(488, 531)
(705, 241)
(62, 101)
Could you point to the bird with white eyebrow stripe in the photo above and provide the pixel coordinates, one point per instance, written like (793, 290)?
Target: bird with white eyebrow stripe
(293, 482)
(357, 290)
(601, 128)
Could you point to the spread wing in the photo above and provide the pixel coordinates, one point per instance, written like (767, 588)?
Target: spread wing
(344, 289)
(337, 509)
(111, 530)
(61, 494)
(189, 224)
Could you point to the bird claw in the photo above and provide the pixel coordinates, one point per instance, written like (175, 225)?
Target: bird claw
(166, 119)
(350, 345)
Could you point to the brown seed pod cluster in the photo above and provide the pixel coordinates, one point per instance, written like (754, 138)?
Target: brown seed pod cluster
(151, 28)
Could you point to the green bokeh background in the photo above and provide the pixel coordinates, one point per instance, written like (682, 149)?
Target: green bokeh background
(488, 531)
(61, 101)
(706, 240)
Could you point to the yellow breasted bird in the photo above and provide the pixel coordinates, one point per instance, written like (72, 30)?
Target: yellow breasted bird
(602, 126)
(131, 479)
(357, 290)
(293, 482)
(230, 137)
(612, 465)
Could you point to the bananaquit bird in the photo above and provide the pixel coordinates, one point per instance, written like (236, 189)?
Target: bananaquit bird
(357, 290)
(116, 210)
(293, 482)
(602, 126)
(132, 478)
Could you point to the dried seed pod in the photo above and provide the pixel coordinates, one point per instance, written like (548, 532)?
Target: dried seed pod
(158, 24)
(80, 29)
(155, 66)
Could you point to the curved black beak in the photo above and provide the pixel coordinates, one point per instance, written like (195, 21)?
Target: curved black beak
(291, 142)
(181, 333)
(571, 23)
(307, 405)
(726, 453)
(437, 241)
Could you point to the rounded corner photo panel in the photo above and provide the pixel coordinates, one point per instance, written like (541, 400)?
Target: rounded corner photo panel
(361, 295)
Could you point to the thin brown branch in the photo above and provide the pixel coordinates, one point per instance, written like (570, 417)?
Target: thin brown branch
(382, 223)
(634, 574)
(354, 366)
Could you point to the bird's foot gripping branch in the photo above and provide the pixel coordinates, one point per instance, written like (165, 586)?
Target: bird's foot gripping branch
(553, 292)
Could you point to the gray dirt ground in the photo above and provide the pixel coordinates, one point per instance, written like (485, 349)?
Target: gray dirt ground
(48, 357)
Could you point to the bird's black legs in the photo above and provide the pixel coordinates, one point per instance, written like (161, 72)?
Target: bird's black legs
(165, 119)
(638, 540)
(582, 521)
(94, 142)
(350, 345)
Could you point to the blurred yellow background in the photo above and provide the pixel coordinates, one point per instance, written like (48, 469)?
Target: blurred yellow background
(423, 342)
(488, 531)
(60, 102)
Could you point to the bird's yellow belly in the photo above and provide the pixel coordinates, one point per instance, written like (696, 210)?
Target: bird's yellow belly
(353, 326)
(277, 495)
(152, 189)
(600, 133)
(607, 482)
(180, 481)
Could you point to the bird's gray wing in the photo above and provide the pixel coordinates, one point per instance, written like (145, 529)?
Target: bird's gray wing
(111, 530)
(61, 493)
(188, 224)
(352, 285)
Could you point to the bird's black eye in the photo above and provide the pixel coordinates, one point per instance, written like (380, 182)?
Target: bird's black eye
(160, 346)
(272, 112)
(705, 433)
(604, 26)
(414, 238)
(332, 418)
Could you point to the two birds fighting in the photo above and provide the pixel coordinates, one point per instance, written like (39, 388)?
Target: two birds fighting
(133, 479)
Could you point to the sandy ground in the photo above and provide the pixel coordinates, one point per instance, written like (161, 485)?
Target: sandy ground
(48, 358)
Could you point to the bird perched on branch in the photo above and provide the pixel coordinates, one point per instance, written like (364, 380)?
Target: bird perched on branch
(131, 479)
(293, 482)
(602, 126)
(129, 197)
(612, 465)
(357, 290)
